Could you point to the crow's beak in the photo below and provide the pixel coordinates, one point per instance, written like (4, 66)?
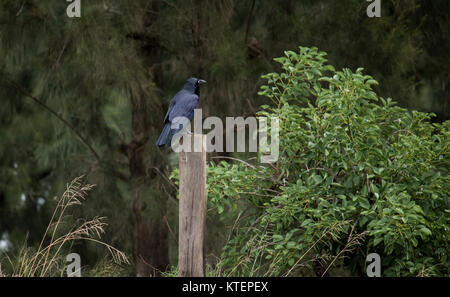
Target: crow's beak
(201, 81)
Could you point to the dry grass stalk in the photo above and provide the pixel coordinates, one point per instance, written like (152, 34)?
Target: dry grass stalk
(45, 260)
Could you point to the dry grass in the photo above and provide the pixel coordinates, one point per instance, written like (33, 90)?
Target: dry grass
(47, 259)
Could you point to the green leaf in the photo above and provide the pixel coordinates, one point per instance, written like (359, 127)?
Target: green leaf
(306, 222)
(277, 237)
(291, 262)
(291, 244)
(318, 179)
(425, 231)
(364, 203)
(377, 241)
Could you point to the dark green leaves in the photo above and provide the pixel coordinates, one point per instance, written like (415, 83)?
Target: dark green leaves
(371, 168)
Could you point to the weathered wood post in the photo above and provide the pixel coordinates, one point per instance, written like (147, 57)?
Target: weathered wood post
(192, 208)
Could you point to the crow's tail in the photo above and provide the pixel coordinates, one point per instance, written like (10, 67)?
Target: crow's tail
(165, 137)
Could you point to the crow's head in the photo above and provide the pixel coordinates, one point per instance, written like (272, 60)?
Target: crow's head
(193, 85)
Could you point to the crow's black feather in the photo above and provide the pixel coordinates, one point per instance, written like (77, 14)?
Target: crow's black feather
(181, 111)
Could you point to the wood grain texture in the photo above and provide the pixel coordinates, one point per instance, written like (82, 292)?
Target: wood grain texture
(192, 209)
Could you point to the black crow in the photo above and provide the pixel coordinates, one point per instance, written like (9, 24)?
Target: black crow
(181, 109)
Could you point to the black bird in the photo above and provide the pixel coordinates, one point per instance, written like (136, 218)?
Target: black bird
(182, 105)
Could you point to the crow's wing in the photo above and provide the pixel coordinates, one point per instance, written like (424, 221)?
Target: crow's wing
(184, 105)
(172, 103)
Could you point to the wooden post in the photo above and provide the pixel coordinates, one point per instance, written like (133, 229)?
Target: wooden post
(192, 209)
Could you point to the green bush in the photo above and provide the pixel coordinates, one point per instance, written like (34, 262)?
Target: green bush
(356, 175)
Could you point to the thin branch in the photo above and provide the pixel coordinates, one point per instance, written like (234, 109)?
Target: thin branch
(325, 232)
(163, 176)
(56, 62)
(64, 121)
(235, 159)
(247, 29)
(170, 229)
(351, 242)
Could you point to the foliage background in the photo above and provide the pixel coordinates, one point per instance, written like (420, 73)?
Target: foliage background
(109, 75)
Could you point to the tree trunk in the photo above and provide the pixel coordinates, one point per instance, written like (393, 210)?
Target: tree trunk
(150, 251)
(150, 239)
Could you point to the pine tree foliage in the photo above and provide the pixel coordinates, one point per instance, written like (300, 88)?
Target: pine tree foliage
(87, 95)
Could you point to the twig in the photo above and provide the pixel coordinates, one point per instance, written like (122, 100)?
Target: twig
(247, 29)
(235, 159)
(42, 104)
(314, 244)
(352, 240)
(170, 229)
